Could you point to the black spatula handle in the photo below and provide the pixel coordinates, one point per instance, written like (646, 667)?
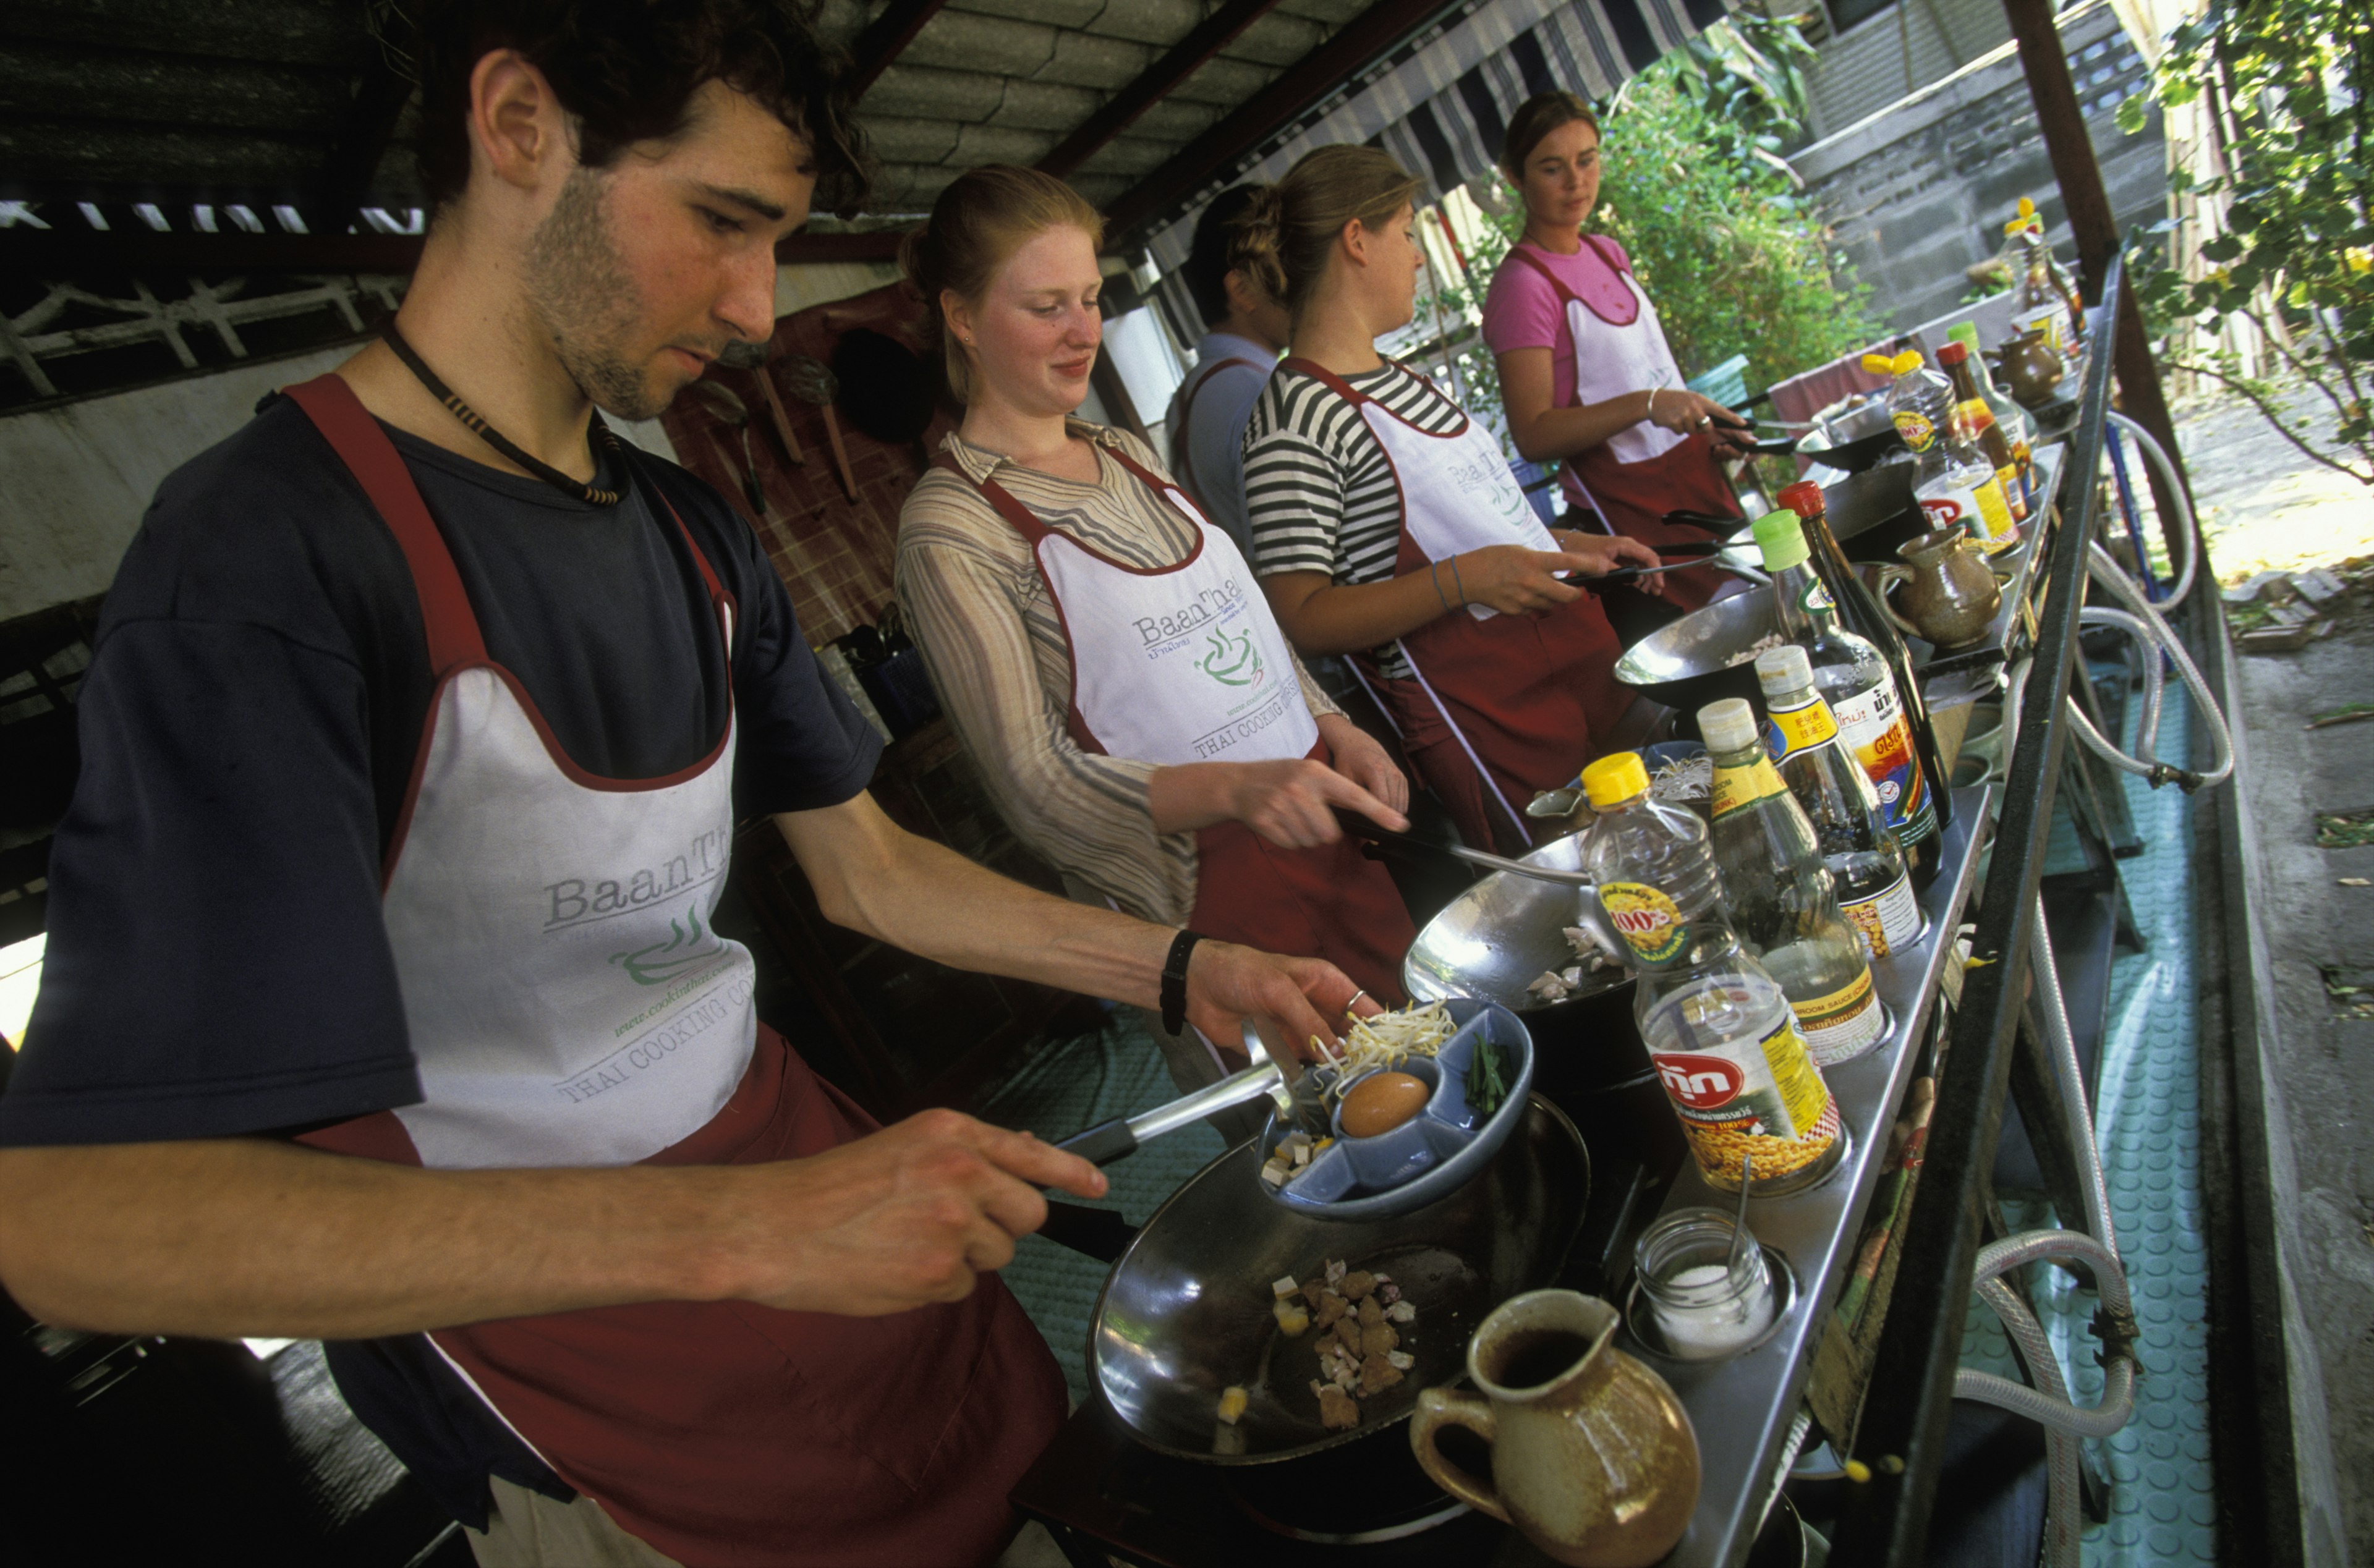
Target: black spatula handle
(1103, 1144)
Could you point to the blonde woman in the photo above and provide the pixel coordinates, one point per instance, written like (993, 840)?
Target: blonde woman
(1102, 648)
(1387, 524)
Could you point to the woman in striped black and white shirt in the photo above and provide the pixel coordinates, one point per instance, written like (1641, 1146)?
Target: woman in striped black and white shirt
(1387, 525)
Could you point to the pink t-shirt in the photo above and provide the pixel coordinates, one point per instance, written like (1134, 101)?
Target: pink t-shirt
(1523, 310)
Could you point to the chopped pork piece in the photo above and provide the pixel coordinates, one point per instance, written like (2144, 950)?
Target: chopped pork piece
(1388, 1294)
(1358, 1284)
(1377, 1374)
(1380, 1340)
(1330, 1307)
(1337, 1409)
(1312, 1290)
(1400, 1312)
(1399, 1361)
(1335, 1271)
(1348, 1330)
(1369, 1313)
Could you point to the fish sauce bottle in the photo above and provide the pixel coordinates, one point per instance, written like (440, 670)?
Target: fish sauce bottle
(1854, 680)
(1784, 900)
(1858, 610)
(1866, 865)
(1719, 1028)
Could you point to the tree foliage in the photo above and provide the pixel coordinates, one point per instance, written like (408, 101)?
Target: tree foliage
(2289, 85)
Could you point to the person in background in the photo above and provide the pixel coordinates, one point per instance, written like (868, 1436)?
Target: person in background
(1206, 421)
(1102, 648)
(1586, 376)
(1387, 524)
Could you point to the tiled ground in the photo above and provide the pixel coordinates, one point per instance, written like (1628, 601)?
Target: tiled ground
(1069, 1086)
(2162, 1509)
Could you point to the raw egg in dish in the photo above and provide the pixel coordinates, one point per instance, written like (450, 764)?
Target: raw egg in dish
(1381, 1102)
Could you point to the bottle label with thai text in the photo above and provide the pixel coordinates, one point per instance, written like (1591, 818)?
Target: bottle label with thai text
(1843, 1026)
(1875, 727)
(1889, 920)
(1761, 1103)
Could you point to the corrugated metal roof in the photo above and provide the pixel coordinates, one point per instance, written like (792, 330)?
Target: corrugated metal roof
(222, 101)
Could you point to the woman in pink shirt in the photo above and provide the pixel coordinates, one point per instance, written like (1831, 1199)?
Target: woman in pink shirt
(1585, 372)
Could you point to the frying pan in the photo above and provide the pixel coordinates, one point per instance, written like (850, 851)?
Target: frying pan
(1854, 439)
(1185, 1312)
(1870, 514)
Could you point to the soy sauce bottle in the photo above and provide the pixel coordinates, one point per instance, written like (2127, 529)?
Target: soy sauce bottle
(1855, 606)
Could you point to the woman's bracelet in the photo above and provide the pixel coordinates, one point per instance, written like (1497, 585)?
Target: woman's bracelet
(1434, 574)
(1454, 578)
(1651, 411)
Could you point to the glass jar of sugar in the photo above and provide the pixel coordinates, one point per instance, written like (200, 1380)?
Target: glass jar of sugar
(1705, 1303)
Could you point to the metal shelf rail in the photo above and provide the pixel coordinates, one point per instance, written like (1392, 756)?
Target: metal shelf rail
(1902, 1435)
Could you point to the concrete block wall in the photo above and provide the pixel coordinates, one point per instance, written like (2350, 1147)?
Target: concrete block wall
(1919, 190)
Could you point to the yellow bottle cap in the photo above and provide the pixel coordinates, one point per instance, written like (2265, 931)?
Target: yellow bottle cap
(1615, 778)
(1908, 361)
(1879, 363)
(2027, 208)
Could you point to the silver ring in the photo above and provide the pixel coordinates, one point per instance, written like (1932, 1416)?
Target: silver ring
(1348, 1006)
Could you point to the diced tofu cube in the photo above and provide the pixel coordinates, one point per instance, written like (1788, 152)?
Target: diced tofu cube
(1275, 1173)
(1292, 1317)
(1232, 1405)
(1284, 1285)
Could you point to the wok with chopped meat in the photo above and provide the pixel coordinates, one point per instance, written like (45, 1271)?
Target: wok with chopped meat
(1194, 1315)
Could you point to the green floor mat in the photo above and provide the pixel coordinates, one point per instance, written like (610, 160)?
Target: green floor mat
(2147, 1120)
(1066, 1087)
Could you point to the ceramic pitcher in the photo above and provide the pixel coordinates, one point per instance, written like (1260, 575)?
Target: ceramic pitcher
(2031, 368)
(1950, 597)
(1592, 1455)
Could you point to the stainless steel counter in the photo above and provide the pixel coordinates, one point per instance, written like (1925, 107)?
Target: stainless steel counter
(1743, 1406)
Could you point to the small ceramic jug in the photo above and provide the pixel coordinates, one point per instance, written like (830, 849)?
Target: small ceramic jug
(2032, 367)
(1950, 596)
(1592, 1455)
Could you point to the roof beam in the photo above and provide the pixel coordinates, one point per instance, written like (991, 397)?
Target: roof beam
(362, 142)
(59, 252)
(1306, 82)
(884, 37)
(1186, 57)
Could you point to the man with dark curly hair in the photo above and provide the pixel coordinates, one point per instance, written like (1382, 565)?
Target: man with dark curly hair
(383, 1001)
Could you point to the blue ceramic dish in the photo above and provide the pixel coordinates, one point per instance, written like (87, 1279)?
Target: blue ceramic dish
(1432, 1154)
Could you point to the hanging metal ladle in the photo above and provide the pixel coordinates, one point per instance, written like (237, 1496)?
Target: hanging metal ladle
(736, 414)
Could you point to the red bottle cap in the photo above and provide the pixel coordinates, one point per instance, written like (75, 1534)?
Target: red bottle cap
(1804, 497)
(1953, 353)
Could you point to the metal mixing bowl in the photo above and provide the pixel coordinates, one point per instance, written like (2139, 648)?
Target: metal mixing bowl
(1186, 1311)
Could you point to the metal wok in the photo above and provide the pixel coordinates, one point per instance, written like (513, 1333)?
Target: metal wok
(1186, 1311)
(1687, 665)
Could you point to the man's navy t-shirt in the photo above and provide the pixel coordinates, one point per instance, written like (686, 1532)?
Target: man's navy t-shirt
(217, 963)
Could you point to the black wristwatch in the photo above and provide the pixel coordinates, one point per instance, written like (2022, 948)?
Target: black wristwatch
(1174, 981)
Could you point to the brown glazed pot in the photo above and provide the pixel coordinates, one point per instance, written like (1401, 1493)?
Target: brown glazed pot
(1594, 1455)
(1950, 596)
(2032, 367)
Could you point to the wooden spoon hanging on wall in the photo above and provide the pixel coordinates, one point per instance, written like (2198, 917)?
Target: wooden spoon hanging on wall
(812, 383)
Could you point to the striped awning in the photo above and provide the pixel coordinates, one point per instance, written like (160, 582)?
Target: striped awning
(1442, 110)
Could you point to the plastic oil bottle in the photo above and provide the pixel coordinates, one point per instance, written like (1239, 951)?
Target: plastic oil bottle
(1783, 901)
(1719, 1027)
(1853, 679)
(1952, 480)
(1865, 864)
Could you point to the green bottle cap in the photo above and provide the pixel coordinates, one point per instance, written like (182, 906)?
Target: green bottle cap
(1781, 536)
(1967, 334)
